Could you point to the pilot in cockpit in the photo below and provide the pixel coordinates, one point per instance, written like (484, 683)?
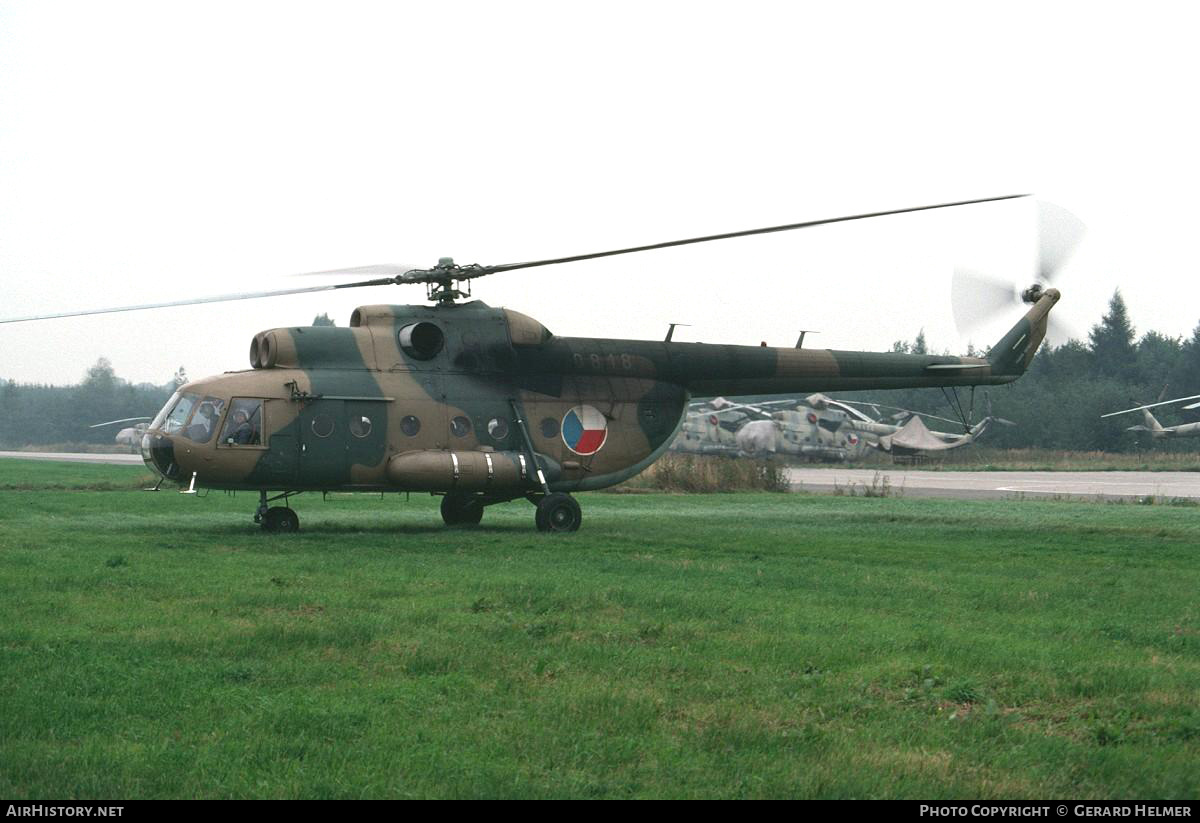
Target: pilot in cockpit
(242, 432)
(203, 422)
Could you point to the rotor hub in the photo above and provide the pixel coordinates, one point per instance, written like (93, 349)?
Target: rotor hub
(1033, 294)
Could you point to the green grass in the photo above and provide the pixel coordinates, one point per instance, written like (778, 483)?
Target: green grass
(743, 645)
(48, 475)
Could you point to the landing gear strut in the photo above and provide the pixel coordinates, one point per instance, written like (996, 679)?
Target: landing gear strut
(558, 512)
(276, 518)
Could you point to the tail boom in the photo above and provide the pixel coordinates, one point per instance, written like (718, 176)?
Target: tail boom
(712, 370)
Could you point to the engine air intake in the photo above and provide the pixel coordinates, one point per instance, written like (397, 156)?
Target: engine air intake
(422, 341)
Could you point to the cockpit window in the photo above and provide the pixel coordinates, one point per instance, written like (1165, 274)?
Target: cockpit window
(204, 420)
(180, 413)
(243, 427)
(161, 418)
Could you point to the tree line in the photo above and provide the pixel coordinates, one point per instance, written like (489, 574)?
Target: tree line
(34, 414)
(1059, 401)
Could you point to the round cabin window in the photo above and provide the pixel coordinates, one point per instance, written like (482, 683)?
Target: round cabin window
(410, 425)
(360, 425)
(460, 426)
(322, 425)
(498, 428)
(549, 428)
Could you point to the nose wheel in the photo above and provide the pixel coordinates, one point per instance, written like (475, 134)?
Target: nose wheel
(558, 512)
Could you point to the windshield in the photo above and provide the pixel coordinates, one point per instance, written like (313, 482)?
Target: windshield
(162, 414)
(190, 416)
(179, 414)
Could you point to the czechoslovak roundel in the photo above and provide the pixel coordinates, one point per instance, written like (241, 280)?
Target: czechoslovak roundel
(584, 430)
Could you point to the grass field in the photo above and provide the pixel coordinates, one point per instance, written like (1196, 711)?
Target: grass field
(741, 645)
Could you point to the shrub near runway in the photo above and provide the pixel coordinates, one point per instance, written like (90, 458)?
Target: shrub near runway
(744, 645)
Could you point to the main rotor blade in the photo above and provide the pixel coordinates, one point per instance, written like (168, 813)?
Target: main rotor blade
(122, 420)
(217, 299)
(754, 407)
(1151, 406)
(902, 409)
(841, 405)
(671, 243)
(377, 270)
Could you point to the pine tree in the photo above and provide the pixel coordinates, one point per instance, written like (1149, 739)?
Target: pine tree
(1186, 375)
(1113, 352)
(919, 346)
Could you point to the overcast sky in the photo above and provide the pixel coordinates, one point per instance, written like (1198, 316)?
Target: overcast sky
(159, 151)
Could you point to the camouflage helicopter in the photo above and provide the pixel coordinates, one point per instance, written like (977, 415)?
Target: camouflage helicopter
(486, 405)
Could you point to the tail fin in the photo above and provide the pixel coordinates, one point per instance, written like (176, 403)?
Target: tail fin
(1015, 351)
(1152, 425)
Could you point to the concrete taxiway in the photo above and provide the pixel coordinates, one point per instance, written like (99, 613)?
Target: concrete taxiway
(1002, 485)
(65, 457)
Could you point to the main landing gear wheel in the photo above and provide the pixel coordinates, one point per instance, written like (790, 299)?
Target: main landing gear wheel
(461, 510)
(281, 519)
(558, 512)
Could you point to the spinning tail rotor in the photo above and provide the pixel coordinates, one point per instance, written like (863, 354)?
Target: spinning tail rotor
(978, 298)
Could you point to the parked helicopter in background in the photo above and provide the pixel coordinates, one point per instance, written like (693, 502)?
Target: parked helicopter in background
(815, 429)
(1157, 430)
(483, 405)
(818, 428)
(710, 427)
(912, 440)
(129, 436)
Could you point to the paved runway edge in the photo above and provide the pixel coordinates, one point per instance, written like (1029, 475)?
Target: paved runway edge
(993, 485)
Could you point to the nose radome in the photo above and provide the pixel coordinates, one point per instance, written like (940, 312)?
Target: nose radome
(158, 452)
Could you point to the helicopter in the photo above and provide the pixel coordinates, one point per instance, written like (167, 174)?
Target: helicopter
(912, 440)
(1157, 430)
(810, 428)
(710, 427)
(484, 405)
(128, 436)
(819, 428)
